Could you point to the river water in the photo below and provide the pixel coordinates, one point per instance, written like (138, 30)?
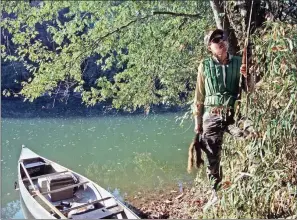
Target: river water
(124, 154)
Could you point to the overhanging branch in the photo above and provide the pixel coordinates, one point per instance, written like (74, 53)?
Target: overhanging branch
(142, 18)
(122, 27)
(176, 14)
(117, 30)
(148, 16)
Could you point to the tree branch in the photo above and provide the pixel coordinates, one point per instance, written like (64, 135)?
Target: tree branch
(122, 27)
(217, 9)
(142, 18)
(145, 17)
(176, 14)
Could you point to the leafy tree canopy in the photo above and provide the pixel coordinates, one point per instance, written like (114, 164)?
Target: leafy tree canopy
(156, 44)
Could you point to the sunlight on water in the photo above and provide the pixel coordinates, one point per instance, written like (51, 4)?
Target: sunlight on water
(12, 210)
(122, 153)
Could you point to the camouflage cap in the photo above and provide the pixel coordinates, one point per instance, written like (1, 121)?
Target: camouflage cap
(211, 35)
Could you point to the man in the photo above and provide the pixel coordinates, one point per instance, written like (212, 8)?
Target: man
(217, 90)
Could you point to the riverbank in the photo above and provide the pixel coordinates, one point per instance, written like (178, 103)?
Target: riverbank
(72, 107)
(169, 203)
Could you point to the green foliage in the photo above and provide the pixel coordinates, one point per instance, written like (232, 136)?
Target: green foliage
(159, 52)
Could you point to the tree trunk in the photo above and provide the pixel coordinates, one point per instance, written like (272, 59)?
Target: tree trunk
(215, 5)
(222, 22)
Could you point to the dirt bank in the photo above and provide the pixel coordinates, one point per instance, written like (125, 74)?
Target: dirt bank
(170, 203)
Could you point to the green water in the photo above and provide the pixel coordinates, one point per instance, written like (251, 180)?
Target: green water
(122, 153)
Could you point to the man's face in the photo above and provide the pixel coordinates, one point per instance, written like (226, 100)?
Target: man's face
(218, 45)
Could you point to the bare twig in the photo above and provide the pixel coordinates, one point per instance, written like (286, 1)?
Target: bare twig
(183, 23)
(56, 96)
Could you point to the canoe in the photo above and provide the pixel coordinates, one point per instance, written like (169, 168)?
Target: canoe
(51, 191)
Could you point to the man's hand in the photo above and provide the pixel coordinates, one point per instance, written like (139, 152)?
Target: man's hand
(243, 70)
(198, 128)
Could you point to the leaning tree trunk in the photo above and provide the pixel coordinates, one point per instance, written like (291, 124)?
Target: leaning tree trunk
(233, 16)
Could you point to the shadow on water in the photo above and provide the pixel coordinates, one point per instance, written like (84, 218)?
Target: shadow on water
(50, 108)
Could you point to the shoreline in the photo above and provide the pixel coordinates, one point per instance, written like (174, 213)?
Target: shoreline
(45, 107)
(168, 203)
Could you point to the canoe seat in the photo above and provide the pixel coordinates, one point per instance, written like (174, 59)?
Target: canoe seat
(102, 213)
(60, 181)
(36, 168)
